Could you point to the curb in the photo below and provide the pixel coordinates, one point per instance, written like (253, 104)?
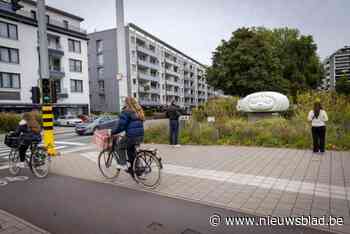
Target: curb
(22, 221)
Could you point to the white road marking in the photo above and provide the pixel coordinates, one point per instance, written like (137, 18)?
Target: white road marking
(90, 147)
(320, 190)
(70, 143)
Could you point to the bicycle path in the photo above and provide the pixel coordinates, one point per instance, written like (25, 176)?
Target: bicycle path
(68, 205)
(259, 181)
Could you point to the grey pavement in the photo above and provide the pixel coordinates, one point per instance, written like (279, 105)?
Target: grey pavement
(259, 181)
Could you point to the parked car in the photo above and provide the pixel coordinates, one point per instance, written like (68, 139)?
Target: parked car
(108, 124)
(90, 127)
(68, 121)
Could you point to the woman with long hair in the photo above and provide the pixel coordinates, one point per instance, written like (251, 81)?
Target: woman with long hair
(318, 118)
(28, 130)
(131, 121)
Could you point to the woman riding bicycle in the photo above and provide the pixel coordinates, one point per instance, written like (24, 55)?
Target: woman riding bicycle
(29, 131)
(131, 121)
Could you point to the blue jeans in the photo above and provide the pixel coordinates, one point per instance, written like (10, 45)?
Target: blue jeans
(174, 132)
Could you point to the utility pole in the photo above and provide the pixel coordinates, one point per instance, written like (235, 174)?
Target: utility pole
(47, 110)
(124, 84)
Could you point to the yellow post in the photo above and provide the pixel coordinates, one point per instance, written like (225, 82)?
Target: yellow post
(49, 137)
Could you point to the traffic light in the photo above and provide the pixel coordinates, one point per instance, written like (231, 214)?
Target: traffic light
(46, 88)
(35, 95)
(15, 6)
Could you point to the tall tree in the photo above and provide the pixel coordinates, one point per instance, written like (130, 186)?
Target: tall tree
(278, 60)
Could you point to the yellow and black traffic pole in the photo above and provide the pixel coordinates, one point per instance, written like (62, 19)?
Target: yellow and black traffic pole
(46, 87)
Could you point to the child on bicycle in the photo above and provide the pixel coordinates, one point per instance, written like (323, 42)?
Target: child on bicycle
(29, 131)
(131, 121)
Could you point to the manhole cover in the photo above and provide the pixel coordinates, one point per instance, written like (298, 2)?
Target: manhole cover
(190, 231)
(155, 226)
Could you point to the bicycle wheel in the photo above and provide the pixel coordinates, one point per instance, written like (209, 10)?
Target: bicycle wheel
(107, 165)
(13, 162)
(40, 163)
(147, 169)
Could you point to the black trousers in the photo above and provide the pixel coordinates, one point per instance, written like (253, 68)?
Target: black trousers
(319, 138)
(174, 131)
(22, 152)
(128, 145)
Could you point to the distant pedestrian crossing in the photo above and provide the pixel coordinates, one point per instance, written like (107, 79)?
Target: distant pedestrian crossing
(4, 152)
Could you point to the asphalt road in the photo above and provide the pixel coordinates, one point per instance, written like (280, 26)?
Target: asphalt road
(65, 205)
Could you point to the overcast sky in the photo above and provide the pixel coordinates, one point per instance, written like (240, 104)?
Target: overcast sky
(196, 27)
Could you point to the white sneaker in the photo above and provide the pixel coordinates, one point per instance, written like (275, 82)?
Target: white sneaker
(177, 146)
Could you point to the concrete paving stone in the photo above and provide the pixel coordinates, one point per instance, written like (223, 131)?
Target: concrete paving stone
(263, 211)
(315, 212)
(286, 206)
(281, 212)
(300, 212)
(340, 229)
(340, 212)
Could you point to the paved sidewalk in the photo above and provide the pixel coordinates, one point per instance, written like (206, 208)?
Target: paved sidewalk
(260, 181)
(12, 224)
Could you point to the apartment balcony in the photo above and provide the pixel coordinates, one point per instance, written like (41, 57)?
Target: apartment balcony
(172, 93)
(148, 64)
(145, 50)
(172, 83)
(149, 102)
(154, 90)
(170, 61)
(172, 73)
(56, 50)
(56, 72)
(52, 22)
(63, 93)
(145, 76)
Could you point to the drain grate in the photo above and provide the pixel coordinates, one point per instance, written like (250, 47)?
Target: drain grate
(190, 231)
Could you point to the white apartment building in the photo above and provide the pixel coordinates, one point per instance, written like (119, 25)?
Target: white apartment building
(19, 58)
(158, 73)
(336, 66)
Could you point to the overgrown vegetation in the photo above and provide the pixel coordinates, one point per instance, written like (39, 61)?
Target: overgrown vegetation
(293, 131)
(8, 122)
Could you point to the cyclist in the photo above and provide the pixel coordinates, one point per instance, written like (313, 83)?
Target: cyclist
(131, 121)
(29, 131)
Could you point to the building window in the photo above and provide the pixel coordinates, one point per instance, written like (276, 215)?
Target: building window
(8, 30)
(65, 23)
(74, 46)
(101, 85)
(9, 55)
(100, 73)
(9, 80)
(47, 19)
(33, 14)
(99, 46)
(100, 59)
(75, 65)
(76, 86)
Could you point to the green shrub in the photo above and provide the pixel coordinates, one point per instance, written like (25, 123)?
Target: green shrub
(9, 121)
(290, 131)
(157, 134)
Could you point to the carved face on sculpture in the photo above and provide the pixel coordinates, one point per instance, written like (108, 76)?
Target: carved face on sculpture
(261, 103)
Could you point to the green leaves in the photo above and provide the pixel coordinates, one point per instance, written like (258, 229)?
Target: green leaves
(260, 59)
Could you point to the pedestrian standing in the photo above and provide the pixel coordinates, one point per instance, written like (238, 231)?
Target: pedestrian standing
(318, 118)
(173, 113)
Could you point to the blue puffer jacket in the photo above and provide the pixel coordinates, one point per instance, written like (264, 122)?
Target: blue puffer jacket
(131, 124)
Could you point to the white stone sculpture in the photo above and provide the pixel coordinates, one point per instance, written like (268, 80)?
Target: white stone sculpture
(263, 102)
